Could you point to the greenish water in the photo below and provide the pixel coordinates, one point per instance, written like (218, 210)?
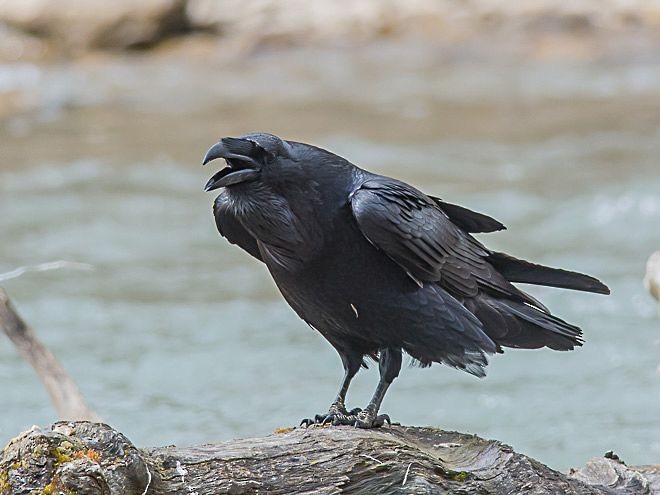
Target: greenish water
(175, 336)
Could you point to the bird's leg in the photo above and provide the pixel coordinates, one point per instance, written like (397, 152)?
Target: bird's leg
(337, 409)
(389, 365)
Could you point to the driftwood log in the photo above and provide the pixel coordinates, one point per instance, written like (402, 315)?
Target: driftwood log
(92, 458)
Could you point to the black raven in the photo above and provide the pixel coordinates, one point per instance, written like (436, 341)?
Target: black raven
(378, 267)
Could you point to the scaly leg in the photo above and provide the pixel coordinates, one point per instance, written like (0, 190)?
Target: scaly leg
(389, 365)
(337, 410)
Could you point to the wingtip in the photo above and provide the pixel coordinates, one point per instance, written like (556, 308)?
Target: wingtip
(598, 287)
(603, 289)
(494, 228)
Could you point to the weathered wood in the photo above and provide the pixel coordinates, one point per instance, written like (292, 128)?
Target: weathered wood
(92, 458)
(65, 395)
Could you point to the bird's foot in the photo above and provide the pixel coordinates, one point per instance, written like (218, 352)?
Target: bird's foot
(370, 419)
(357, 417)
(336, 415)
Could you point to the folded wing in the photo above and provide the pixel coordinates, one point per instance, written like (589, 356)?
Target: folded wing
(432, 244)
(410, 228)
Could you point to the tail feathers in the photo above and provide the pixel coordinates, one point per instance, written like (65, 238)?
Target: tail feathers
(517, 270)
(514, 324)
(471, 361)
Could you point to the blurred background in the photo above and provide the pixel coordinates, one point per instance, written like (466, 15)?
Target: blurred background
(543, 114)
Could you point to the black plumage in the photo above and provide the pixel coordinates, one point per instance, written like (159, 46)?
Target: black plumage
(378, 267)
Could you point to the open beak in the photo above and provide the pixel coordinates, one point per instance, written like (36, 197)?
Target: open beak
(240, 167)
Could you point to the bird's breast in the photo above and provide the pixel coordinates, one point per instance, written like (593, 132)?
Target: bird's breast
(348, 288)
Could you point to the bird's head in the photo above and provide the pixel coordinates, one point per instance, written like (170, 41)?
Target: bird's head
(271, 185)
(249, 158)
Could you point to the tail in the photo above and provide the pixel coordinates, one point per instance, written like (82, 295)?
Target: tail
(516, 270)
(514, 324)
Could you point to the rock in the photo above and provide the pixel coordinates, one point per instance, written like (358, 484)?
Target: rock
(613, 473)
(77, 25)
(542, 27)
(652, 277)
(19, 45)
(449, 20)
(265, 19)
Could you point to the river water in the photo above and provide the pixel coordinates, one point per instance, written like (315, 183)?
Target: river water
(176, 337)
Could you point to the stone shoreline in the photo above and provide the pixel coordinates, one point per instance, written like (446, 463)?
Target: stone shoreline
(582, 29)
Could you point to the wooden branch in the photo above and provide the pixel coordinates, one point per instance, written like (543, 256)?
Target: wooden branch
(92, 458)
(64, 393)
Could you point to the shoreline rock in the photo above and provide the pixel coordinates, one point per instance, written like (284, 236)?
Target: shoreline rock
(538, 28)
(75, 26)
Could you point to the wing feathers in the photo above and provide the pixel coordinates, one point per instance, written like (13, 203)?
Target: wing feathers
(410, 228)
(468, 220)
(431, 242)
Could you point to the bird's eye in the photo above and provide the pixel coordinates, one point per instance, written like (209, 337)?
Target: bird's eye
(270, 157)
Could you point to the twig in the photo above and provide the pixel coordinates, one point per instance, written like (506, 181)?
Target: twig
(64, 393)
(405, 476)
(43, 267)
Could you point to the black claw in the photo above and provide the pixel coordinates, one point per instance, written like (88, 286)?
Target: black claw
(357, 417)
(329, 419)
(367, 419)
